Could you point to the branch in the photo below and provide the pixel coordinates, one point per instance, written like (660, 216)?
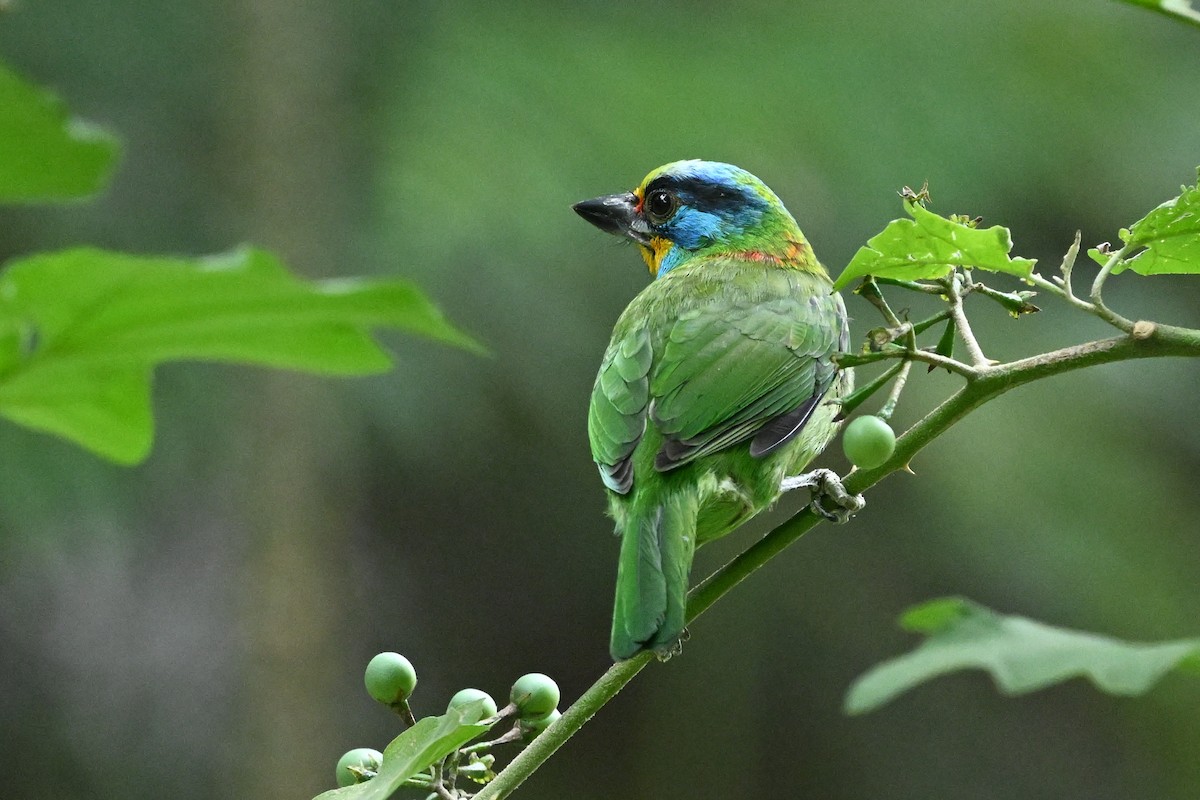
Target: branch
(1147, 340)
(549, 740)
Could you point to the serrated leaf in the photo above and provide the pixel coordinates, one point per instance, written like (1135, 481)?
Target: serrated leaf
(44, 154)
(81, 331)
(929, 246)
(1169, 236)
(413, 751)
(1020, 654)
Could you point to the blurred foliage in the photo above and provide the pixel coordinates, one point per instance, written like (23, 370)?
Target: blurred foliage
(45, 154)
(82, 330)
(196, 627)
(1022, 655)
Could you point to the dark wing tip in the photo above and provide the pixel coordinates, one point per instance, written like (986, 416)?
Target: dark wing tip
(672, 454)
(782, 429)
(619, 476)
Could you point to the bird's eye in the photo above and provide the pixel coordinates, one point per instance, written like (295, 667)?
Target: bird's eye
(660, 205)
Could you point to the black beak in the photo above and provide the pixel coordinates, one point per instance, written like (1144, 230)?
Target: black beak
(616, 214)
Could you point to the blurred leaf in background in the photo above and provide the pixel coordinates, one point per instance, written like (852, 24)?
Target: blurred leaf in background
(1022, 655)
(82, 330)
(44, 153)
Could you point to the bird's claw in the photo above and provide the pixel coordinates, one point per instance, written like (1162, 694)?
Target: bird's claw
(667, 652)
(827, 486)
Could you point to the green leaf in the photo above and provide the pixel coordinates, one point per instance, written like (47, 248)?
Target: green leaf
(1022, 655)
(1169, 236)
(419, 747)
(1179, 10)
(81, 331)
(45, 155)
(929, 246)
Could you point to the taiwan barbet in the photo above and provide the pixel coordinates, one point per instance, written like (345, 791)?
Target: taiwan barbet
(718, 386)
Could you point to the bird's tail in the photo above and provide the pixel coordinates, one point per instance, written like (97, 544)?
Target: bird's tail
(657, 544)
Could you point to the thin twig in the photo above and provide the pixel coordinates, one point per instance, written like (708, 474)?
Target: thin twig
(1097, 298)
(926, 324)
(438, 785)
(951, 364)
(889, 406)
(1068, 264)
(512, 735)
(954, 287)
(912, 286)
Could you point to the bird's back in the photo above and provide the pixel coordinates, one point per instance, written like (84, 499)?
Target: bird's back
(733, 345)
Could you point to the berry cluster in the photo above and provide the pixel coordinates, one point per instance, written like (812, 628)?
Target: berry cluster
(391, 679)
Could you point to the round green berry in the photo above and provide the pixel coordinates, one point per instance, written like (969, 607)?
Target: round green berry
(868, 442)
(532, 727)
(468, 695)
(390, 678)
(358, 765)
(534, 695)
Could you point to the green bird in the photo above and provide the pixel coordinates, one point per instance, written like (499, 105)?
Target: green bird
(718, 385)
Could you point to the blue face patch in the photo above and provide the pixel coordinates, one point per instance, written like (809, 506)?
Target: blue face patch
(716, 203)
(694, 226)
(691, 228)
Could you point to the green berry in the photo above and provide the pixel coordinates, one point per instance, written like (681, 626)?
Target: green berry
(534, 695)
(468, 695)
(390, 678)
(868, 442)
(532, 727)
(358, 765)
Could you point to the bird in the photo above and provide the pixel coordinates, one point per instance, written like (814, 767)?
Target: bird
(719, 383)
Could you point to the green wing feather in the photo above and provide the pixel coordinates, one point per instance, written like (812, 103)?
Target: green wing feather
(617, 415)
(711, 365)
(728, 371)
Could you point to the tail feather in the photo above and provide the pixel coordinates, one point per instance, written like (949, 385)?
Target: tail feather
(652, 576)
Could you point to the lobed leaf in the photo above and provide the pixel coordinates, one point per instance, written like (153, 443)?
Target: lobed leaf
(929, 246)
(418, 748)
(1020, 654)
(1169, 238)
(44, 154)
(81, 331)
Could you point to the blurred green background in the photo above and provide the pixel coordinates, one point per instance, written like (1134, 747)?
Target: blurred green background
(196, 627)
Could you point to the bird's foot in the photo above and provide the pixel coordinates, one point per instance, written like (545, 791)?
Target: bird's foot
(826, 487)
(666, 652)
